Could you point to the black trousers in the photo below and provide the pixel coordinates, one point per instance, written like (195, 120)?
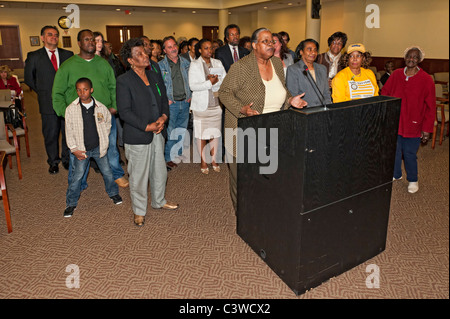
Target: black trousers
(52, 126)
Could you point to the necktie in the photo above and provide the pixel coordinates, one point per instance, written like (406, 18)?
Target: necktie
(235, 55)
(53, 59)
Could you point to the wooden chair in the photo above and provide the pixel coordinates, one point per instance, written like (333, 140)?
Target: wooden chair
(442, 115)
(5, 193)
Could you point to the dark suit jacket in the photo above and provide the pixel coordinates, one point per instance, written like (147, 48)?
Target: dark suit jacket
(186, 56)
(224, 55)
(139, 105)
(39, 76)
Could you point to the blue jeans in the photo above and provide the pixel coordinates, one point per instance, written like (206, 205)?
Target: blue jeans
(113, 158)
(176, 129)
(113, 151)
(79, 170)
(407, 149)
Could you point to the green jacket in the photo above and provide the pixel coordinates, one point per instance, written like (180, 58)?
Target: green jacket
(98, 70)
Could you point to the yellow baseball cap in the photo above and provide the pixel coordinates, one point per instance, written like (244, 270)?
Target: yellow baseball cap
(356, 47)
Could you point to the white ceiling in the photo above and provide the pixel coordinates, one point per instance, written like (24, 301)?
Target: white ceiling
(200, 6)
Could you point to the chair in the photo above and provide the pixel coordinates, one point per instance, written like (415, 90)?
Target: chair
(442, 78)
(5, 193)
(442, 115)
(4, 132)
(20, 75)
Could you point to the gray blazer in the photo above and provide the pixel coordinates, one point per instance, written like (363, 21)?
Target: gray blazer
(297, 83)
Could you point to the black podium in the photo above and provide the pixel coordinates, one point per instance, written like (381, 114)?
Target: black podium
(326, 208)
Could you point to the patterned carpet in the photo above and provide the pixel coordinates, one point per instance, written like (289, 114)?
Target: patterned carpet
(194, 252)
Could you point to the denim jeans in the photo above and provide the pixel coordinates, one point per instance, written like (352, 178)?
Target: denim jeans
(79, 170)
(113, 151)
(407, 149)
(176, 129)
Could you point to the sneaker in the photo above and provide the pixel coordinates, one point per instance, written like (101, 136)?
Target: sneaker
(413, 187)
(68, 212)
(397, 179)
(116, 199)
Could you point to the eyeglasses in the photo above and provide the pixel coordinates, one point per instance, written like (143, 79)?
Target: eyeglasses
(267, 42)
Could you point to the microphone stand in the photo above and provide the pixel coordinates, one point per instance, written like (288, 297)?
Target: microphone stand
(314, 84)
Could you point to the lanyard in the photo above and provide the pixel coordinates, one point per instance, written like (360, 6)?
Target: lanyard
(159, 91)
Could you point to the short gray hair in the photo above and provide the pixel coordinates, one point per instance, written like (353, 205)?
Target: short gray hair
(256, 33)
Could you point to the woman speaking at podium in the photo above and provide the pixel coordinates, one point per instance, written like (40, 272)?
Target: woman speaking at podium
(254, 85)
(356, 81)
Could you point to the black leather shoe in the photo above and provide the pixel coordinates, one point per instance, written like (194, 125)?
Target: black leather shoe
(66, 166)
(53, 169)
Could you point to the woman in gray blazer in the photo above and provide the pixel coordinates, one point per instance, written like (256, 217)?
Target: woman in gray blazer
(309, 77)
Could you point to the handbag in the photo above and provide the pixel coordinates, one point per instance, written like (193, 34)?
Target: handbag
(14, 115)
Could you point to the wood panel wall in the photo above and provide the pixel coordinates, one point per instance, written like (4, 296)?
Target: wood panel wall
(431, 66)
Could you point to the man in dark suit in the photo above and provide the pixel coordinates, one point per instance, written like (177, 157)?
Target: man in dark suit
(231, 51)
(40, 69)
(228, 54)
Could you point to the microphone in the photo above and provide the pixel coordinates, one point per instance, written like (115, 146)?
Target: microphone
(321, 97)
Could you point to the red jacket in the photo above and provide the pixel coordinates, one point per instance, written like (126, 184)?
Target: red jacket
(418, 101)
(12, 85)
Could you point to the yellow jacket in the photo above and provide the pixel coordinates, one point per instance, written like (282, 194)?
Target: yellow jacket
(346, 86)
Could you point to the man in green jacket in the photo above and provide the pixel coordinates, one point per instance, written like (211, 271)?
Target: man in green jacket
(89, 65)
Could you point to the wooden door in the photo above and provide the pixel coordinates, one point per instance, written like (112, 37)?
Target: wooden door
(211, 33)
(10, 47)
(117, 35)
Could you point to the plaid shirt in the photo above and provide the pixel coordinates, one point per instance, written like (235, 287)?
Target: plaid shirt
(75, 126)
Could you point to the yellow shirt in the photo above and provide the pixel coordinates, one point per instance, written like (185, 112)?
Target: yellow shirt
(346, 86)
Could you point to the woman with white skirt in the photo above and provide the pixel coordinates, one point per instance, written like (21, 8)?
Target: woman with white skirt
(205, 77)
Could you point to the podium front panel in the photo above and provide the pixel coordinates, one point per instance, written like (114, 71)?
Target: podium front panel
(330, 163)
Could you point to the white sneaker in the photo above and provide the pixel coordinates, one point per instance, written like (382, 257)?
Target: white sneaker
(397, 179)
(413, 187)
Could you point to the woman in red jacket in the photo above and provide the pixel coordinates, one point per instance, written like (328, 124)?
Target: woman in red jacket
(416, 88)
(7, 81)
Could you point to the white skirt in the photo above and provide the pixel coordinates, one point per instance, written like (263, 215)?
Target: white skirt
(207, 124)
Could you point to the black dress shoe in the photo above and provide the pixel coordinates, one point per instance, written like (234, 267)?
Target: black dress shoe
(53, 169)
(66, 166)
